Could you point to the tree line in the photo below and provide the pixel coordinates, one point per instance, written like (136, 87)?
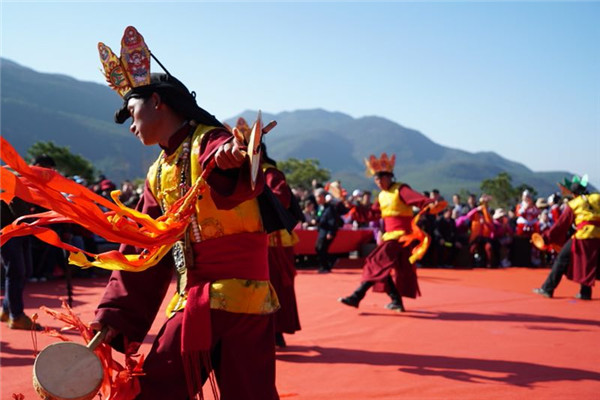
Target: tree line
(299, 173)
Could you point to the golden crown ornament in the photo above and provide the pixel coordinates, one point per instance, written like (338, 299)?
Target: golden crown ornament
(383, 164)
(130, 70)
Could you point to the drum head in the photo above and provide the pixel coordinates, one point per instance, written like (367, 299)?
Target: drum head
(68, 371)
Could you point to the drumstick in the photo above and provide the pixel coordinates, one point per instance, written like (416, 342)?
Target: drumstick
(268, 127)
(97, 339)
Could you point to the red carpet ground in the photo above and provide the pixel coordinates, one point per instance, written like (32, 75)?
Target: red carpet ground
(475, 334)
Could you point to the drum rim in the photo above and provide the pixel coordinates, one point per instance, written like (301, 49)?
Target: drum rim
(41, 385)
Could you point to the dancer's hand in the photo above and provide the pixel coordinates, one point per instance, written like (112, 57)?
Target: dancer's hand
(110, 333)
(231, 154)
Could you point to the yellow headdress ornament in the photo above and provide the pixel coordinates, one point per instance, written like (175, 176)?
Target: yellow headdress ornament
(382, 164)
(132, 69)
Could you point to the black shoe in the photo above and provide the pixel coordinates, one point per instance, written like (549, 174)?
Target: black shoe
(580, 296)
(279, 340)
(395, 307)
(349, 301)
(542, 292)
(324, 270)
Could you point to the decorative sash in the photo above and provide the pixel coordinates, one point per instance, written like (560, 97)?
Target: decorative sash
(241, 256)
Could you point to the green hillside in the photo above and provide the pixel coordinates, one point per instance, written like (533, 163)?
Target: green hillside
(50, 107)
(341, 143)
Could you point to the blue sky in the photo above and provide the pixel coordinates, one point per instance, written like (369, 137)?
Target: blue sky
(518, 78)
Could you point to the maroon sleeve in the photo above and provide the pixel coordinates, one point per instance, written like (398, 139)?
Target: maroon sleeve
(228, 188)
(275, 180)
(558, 232)
(413, 198)
(132, 299)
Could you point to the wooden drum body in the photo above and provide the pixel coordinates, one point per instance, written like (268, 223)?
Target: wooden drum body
(67, 371)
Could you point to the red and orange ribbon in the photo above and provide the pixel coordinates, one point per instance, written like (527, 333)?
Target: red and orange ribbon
(70, 202)
(423, 240)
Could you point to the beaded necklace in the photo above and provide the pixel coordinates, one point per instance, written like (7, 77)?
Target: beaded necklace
(183, 162)
(182, 251)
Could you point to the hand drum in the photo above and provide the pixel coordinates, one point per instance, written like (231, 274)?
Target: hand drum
(68, 371)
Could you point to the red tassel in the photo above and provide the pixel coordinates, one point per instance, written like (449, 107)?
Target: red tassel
(193, 365)
(191, 368)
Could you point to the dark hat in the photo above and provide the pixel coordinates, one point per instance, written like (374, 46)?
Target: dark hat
(578, 185)
(44, 160)
(174, 94)
(379, 174)
(577, 188)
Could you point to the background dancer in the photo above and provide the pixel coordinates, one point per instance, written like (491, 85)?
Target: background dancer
(396, 201)
(579, 257)
(282, 270)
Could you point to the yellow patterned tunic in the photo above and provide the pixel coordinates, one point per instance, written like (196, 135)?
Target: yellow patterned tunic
(209, 223)
(395, 212)
(587, 216)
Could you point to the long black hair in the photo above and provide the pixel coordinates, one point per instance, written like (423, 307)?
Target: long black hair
(174, 94)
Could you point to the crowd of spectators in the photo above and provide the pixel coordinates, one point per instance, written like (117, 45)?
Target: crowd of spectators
(466, 234)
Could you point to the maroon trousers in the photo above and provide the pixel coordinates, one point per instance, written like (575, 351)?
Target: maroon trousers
(387, 257)
(242, 356)
(282, 274)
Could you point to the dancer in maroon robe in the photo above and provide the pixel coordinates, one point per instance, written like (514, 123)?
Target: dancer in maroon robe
(282, 268)
(396, 201)
(579, 257)
(221, 318)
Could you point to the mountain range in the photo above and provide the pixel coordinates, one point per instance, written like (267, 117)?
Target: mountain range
(50, 107)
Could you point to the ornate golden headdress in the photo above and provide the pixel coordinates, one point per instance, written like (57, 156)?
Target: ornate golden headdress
(132, 69)
(382, 164)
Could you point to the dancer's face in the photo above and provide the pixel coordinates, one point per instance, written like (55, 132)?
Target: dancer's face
(144, 120)
(383, 182)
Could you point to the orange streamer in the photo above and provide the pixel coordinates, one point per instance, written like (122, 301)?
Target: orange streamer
(422, 238)
(70, 202)
(438, 207)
